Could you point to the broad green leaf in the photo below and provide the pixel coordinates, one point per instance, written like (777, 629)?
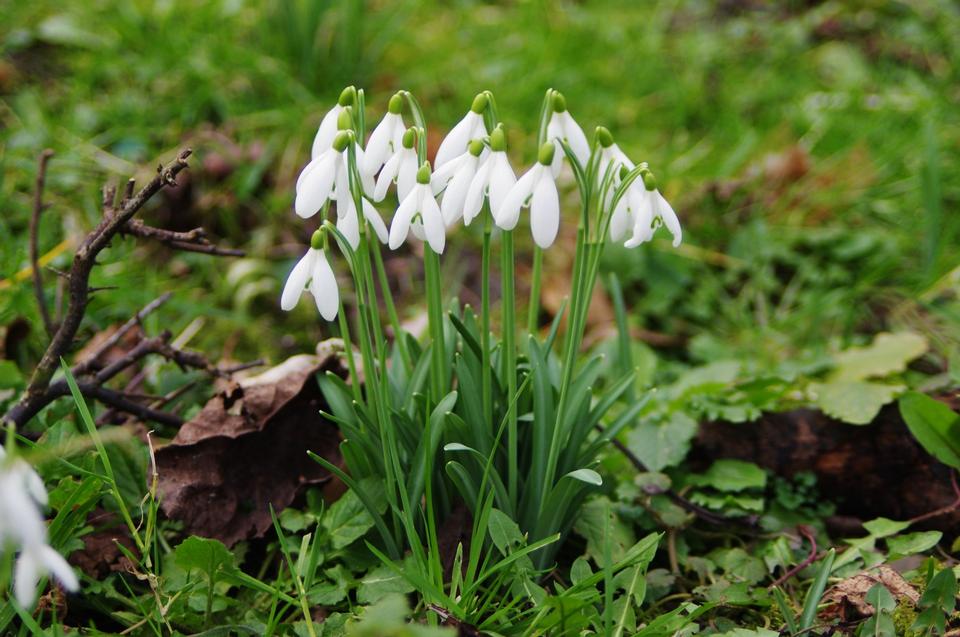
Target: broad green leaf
(935, 426)
(888, 354)
(580, 570)
(662, 445)
(347, 520)
(913, 542)
(588, 476)
(598, 520)
(379, 583)
(503, 530)
(205, 555)
(883, 527)
(731, 475)
(880, 598)
(853, 401)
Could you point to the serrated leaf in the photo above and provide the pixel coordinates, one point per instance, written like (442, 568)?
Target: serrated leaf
(662, 445)
(347, 520)
(731, 475)
(888, 354)
(935, 426)
(854, 402)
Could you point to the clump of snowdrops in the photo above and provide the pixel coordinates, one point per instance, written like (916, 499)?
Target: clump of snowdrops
(505, 424)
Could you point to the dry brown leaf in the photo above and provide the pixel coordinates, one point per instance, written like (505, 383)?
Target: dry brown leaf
(847, 599)
(247, 450)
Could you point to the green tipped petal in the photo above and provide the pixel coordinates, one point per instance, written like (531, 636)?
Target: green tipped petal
(475, 147)
(316, 241)
(348, 96)
(395, 105)
(545, 156)
(498, 139)
(409, 137)
(604, 137)
(423, 175)
(479, 103)
(559, 102)
(341, 141)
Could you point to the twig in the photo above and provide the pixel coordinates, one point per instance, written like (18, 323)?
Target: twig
(950, 508)
(34, 241)
(88, 363)
(192, 241)
(808, 534)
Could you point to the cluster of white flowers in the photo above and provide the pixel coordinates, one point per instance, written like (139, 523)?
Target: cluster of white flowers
(22, 529)
(471, 165)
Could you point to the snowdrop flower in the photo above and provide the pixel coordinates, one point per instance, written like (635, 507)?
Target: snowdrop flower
(537, 187)
(562, 127)
(611, 156)
(494, 178)
(649, 209)
(328, 176)
(328, 125)
(419, 202)
(348, 222)
(455, 183)
(21, 495)
(313, 272)
(401, 168)
(470, 127)
(386, 137)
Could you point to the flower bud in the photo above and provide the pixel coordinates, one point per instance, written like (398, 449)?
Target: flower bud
(498, 139)
(409, 137)
(604, 137)
(545, 156)
(341, 141)
(479, 103)
(624, 171)
(348, 96)
(649, 181)
(395, 105)
(345, 119)
(423, 175)
(475, 147)
(559, 102)
(316, 241)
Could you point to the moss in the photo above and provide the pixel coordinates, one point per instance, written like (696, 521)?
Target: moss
(903, 617)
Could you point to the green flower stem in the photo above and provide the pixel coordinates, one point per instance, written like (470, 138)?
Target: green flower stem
(509, 358)
(533, 315)
(486, 379)
(398, 335)
(431, 264)
(345, 337)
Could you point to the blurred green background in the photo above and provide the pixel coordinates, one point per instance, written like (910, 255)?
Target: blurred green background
(810, 149)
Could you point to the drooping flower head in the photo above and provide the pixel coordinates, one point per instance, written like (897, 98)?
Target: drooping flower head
(454, 179)
(494, 178)
(610, 155)
(419, 204)
(537, 189)
(313, 272)
(328, 125)
(647, 210)
(470, 127)
(386, 138)
(22, 528)
(562, 127)
(401, 168)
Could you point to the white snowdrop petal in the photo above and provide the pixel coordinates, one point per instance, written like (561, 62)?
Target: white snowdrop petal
(378, 146)
(433, 226)
(349, 225)
(669, 217)
(576, 138)
(545, 211)
(315, 188)
(297, 281)
(473, 200)
(620, 220)
(400, 225)
(455, 142)
(25, 577)
(508, 214)
(323, 287)
(58, 568)
(34, 485)
(443, 174)
(372, 215)
(387, 176)
(456, 193)
(502, 179)
(327, 130)
(407, 174)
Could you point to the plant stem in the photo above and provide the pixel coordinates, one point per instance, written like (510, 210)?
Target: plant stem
(509, 361)
(486, 381)
(533, 317)
(431, 262)
(398, 335)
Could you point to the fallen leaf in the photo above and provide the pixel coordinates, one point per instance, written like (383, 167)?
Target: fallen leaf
(847, 599)
(247, 450)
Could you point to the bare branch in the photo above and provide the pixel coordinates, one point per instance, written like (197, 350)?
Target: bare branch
(192, 241)
(34, 240)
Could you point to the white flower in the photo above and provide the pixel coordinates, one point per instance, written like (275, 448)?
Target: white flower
(401, 167)
(328, 177)
(495, 178)
(646, 209)
(454, 179)
(21, 525)
(419, 201)
(328, 125)
(348, 222)
(537, 187)
(313, 272)
(470, 127)
(562, 127)
(610, 156)
(386, 138)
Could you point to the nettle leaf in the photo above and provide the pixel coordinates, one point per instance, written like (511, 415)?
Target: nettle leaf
(888, 354)
(379, 583)
(731, 475)
(347, 520)
(208, 556)
(854, 402)
(665, 444)
(599, 524)
(935, 426)
(913, 542)
(503, 530)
